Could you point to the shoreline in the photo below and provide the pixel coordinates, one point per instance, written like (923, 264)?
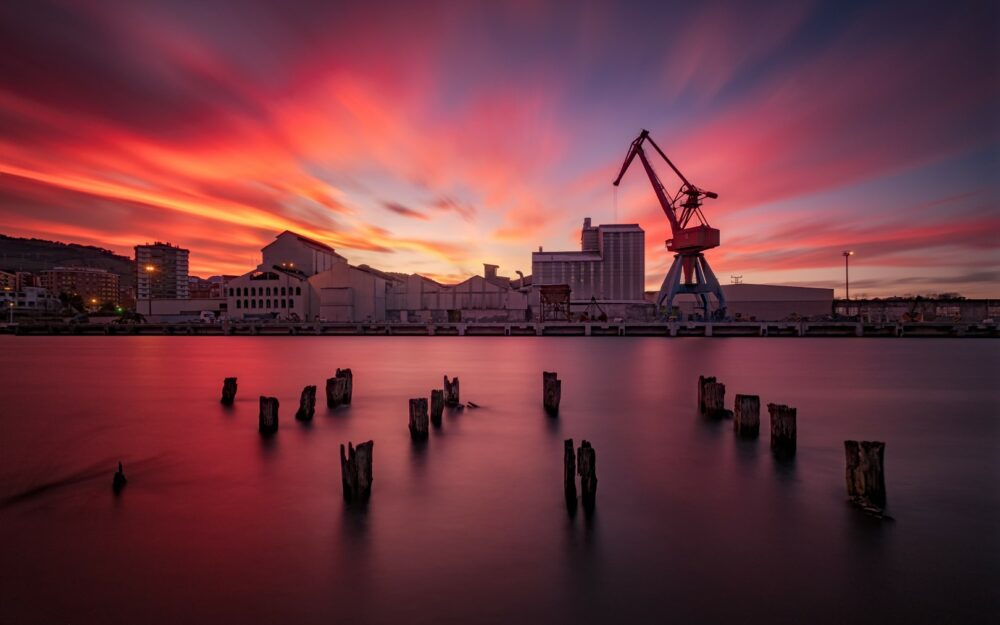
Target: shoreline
(623, 329)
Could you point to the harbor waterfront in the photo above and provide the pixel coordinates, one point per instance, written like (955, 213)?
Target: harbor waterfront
(691, 524)
(631, 328)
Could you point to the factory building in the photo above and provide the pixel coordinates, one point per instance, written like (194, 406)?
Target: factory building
(298, 253)
(764, 302)
(489, 297)
(610, 266)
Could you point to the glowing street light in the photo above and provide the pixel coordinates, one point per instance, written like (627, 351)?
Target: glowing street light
(847, 280)
(150, 268)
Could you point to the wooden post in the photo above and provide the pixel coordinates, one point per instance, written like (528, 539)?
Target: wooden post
(229, 391)
(335, 390)
(551, 392)
(569, 472)
(119, 481)
(437, 406)
(307, 404)
(782, 429)
(356, 471)
(865, 477)
(702, 381)
(746, 410)
(418, 418)
(586, 466)
(268, 419)
(451, 395)
(715, 400)
(349, 385)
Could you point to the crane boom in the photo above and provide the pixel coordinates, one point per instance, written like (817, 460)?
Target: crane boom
(689, 273)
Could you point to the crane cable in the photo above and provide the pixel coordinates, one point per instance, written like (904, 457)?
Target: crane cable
(615, 202)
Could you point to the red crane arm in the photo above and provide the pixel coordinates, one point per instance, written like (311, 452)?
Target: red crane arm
(661, 194)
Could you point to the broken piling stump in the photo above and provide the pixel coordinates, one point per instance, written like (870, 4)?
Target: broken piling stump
(229, 391)
(702, 382)
(119, 481)
(356, 471)
(586, 466)
(551, 392)
(336, 389)
(782, 429)
(746, 415)
(437, 406)
(307, 404)
(865, 474)
(418, 418)
(569, 473)
(451, 395)
(349, 385)
(267, 422)
(715, 400)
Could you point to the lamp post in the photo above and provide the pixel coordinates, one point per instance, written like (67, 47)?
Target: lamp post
(847, 278)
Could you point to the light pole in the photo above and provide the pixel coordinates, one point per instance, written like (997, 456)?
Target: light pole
(847, 278)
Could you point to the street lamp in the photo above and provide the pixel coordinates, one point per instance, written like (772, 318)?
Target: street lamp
(847, 278)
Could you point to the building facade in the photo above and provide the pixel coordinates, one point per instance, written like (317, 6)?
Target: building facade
(161, 272)
(29, 299)
(610, 265)
(295, 252)
(94, 286)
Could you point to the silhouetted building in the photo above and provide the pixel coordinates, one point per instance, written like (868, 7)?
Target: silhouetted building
(610, 265)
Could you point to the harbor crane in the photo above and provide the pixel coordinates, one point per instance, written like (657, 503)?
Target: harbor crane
(692, 236)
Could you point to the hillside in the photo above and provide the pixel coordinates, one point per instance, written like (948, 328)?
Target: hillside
(35, 255)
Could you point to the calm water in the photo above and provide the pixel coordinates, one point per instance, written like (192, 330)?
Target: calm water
(218, 525)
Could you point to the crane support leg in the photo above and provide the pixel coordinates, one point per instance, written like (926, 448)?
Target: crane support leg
(679, 280)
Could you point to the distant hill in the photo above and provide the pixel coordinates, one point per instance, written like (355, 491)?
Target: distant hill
(35, 255)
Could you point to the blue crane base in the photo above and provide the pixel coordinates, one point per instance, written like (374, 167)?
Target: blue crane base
(680, 280)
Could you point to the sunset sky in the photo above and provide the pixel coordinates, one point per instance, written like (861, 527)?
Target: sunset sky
(432, 137)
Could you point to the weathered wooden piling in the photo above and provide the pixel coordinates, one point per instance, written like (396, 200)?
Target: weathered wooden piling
(865, 476)
(349, 385)
(551, 392)
(715, 400)
(702, 382)
(746, 415)
(307, 404)
(356, 471)
(451, 394)
(268, 419)
(586, 467)
(229, 391)
(418, 418)
(437, 406)
(782, 429)
(569, 472)
(118, 482)
(336, 388)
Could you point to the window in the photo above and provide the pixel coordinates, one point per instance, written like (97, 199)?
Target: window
(283, 305)
(230, 291)
(268, 291)
(291, 303)
(253, 290)
(282, 290)
(260, 303)
(253, 303)
(298, 290)
(268, 302)
(237, 303)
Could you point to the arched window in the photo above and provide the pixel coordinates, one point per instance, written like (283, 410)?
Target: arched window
(268, 304)
(253, 290)
(268, 290)
(245, 304)
(253, 303)
(291, 303)
(283, 304)
(237, 303)
(245, 292)
(298, 290)
(260, 303)
(282, 290)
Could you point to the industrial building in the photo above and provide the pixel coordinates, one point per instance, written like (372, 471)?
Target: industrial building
(765, 302)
